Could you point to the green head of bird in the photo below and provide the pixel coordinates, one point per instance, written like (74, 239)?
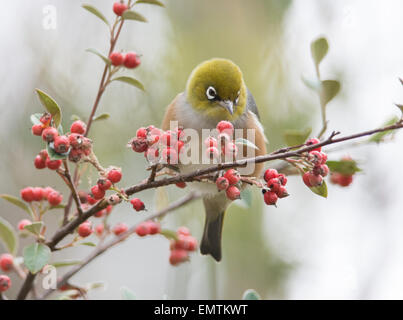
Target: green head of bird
(217, 90)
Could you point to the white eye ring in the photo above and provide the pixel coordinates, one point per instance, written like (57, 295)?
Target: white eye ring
(211, 93)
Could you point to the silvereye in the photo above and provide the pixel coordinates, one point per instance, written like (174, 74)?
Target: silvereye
(216, 91)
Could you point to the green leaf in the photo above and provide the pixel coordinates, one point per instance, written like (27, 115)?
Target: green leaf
(400, 106)
(320, 190)
(127, 294)
(19, 203)
(36, 256)
(330, 89)
(319, 49)
(8, 236)
(169, 234)
(106, 60)
(51, 106)
(34, 227)
(59, 206)
(96, 12)
(53, 155)
(378, 137)
(251, 294)
(130, 81)
(132, 15)
(154, 2)
(88, 244)
(62, 264)
(94, 285)
(103, 116)
(346, 167)
(75, 117)
(35, 118)
(246, 143)
(296, 137)
(311, 84)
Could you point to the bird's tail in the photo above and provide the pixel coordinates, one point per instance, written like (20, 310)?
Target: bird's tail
(211, 241)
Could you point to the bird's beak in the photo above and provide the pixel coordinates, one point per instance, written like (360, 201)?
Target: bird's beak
(228, 104)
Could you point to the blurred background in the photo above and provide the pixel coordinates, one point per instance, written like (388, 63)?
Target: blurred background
(349, 246)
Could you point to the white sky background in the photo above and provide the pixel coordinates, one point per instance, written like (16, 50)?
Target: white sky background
(347, 247)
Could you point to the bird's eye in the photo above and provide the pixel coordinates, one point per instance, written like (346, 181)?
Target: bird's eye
(211, 93)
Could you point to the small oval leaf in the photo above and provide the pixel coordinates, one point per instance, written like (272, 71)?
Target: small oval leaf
(133, 15)
(319, 49)
(130, 81)
(330, 89)
(53, 155)
(19, 203)
(296, 137)
(34, 227)
(154, 2)
(321, 190)
(88, 244)
(8, 236)
(246, 143)
(251, 294)
(61, 264)
(36, 256)
(346, 167)
(94, 51)
(95, 12)
(169, 234)
(51, 106)
(103, 116)
(379, 137)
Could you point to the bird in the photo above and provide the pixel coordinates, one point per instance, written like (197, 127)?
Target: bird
(216, 91)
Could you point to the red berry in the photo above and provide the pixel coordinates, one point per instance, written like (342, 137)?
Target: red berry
(211, 142)
(282, 192)
(312, 180)
(141, 133)
(225, 126)
(97, 192)
(85, 229)
(109, 209)
(37, 129)
(232, 176)
(99, 229)
(104, 184)
(177, 256)
(53, 164)
(38, 194)
(39, 162)
(139, 145)
(5, 283)
(313, 141)
(274, 184)
(283, 179)
(233, 193)
(270, 174)
(317, 158)
(322, 170)
(222, 183)
(49, 134)
(138, 205)
(119, 8)
(114, 175)
(75, 155)
(43, 154)
(27, 194)
(306, 179)
(169, 138)
(185, 242)
(61, 144)
(155, 227)
(181, 185)
(179, 145)
(184, 231)
(270, 198)
(170, 156)
(120, 228)
(212, 153)
(230, 149)
(143, 229)
(340, 179)
(116, 58)
(100, 213)
(23, 223)
(76, 140)
(45, 119)
(55, 198)
(6, 262)
(47, 191)
(132, 60)
(91, 200)
(78, 127)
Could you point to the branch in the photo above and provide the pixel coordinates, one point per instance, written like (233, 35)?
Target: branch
(102, 248)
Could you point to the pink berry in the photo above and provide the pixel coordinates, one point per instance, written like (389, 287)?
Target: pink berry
(100, 213)
(6, 262)
(132, 60)
(313, 141)
(37, 129)
(39, 162)
(53, 164)
(230, 149)
(114, 175)
(312, 180)
(283, 179)
(23, 223)
(139, 145)
(55, 198)
(212, 153)
(97, 192)
(169, 138)
(75, 155)
(184, 231)
(143, 229)
(78, 127)
(5, 283)
(222, 183)
(99, 229)
(211, 142)
(306, 179)
(225, 126)
(49, 134)
(116, 58)
(61, 144)
(104, 184)
(177, 256)
(38, 194)
(138, 205)
(76, 140)
(270, 174)
(270, 198)
(340, 179)
(119, 8)
(233, 193)
(85, 229)
(282, 192)
(120, 228)
(274, 184)
(155, 227)
(232, 176)
(45, 119)
(141, 133)
(27, 194)
(170, 156)
(46, 191)
(322, 170)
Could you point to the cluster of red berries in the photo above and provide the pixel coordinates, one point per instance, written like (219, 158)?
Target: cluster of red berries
(275, 183)
(158, 145)
(98, 191)
(229, 149)
(149, 227)
(314, 177)
(42, 160)
(340, 179)
(6, 265)
(230, 183)
(130, 60)
(5, 283)
(38, 194)
(119, 8)
(120, 228)
(181, 247)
